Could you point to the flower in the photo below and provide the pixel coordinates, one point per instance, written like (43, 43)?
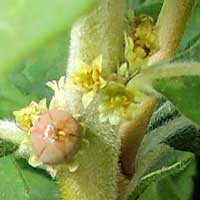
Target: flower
(58, 100)
(140, 41)
(118, 102)
(88, 79)
(26, 116)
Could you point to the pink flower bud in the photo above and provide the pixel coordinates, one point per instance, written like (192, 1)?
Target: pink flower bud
(55, 137)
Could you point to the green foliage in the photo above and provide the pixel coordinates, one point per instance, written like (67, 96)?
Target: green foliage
(183, 92)
(27, 80)
(25, 30)
(7, 147)
(26, 25)
(21, 182)
(156, 160)
(174, 187)
(192, 29)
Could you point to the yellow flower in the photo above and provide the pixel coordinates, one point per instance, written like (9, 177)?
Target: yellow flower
(58, 87)
(88, 79)
(118, 103)
(140, 41)
(26, 116)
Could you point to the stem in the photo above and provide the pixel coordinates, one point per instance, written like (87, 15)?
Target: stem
(134, 132)
(99, 33)
(171, 25)
(144, 80)
(10, 132)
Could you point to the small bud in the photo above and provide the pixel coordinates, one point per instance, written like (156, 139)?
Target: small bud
(55, 137)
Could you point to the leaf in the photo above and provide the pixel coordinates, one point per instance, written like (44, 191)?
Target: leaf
(180, 133)
(156, 160)
(191, 53)
(181, 182)
(164, 113)
(192, 29)
(7, 147)
(182, 92)
(174, 187)
(156, 166)
(26, 25)
(21, 182)
(26, 82)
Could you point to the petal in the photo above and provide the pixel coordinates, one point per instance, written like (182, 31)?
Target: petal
(34, 161)
(42, 105)
(87, 98)
(52, 104)
(72, 166)
(97, 63)
(61, 82)
(53, 85)
(103, 83)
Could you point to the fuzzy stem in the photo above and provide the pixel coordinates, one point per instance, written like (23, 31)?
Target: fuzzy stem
(145, 79)
(99, 33)
(10, 132)
(134, 132)
(171, 25)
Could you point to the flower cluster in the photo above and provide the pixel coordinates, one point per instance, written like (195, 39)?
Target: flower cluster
(25, 117)
(117, 102)
(140, 41)
(53, 135)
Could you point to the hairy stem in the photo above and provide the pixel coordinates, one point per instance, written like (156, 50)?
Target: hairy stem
(99, 33)
(10, 132)
(144, 80)
(171, 25)
(134, 132)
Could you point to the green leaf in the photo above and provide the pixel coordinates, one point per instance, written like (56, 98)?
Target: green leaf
(7, 147)
(192, 28)
(182, 92)
(164, 112)
(156, 160)
(156, 165)
(180, 133)
(180, 185)
(26, 25)
(26, 82)
(191, 53)
(21, 182)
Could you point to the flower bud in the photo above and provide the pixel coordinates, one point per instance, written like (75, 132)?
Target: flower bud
(55, 137)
